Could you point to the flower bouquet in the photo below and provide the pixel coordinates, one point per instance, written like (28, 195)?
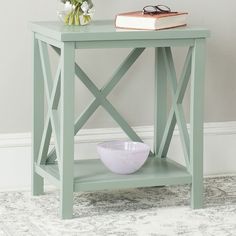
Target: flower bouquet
(76, 12)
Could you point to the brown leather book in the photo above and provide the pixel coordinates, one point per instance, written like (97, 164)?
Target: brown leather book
(138, 20)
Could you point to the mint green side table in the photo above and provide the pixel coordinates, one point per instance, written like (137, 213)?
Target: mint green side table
(58, 165)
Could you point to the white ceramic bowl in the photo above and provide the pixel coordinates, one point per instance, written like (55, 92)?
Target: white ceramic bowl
(123, 157)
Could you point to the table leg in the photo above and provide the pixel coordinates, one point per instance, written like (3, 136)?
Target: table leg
(160, 99)
(196, 123)
(38, 118)
(67, 130)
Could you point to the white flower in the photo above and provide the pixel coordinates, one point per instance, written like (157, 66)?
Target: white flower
(68, 6)
(85, 7)
(91, 11)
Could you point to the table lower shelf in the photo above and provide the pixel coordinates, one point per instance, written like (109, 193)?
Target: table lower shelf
(92, 175)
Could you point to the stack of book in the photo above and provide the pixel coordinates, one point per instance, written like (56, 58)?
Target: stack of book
(138, 20)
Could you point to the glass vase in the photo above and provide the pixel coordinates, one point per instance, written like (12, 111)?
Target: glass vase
(76, 12)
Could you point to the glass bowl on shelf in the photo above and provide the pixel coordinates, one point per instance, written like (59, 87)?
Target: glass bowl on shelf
(76, 12)
(123, 157)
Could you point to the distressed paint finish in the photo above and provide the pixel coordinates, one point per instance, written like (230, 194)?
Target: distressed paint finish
(58, 166)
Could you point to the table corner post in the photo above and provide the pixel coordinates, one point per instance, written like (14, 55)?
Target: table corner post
(67, 130)
(160, 99)
(196, 122)
(37, 182)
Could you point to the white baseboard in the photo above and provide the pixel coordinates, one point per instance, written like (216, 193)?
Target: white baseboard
(15, 150)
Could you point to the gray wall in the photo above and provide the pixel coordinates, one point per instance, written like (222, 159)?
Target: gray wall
(15, 63)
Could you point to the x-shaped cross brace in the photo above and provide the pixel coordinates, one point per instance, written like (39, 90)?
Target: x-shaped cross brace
(52, 97)
(100, 98)
(176, 112)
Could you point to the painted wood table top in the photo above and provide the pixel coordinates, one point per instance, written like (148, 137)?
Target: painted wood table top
(106, 30)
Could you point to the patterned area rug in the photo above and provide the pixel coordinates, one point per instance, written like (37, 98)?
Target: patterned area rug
(156, 211)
